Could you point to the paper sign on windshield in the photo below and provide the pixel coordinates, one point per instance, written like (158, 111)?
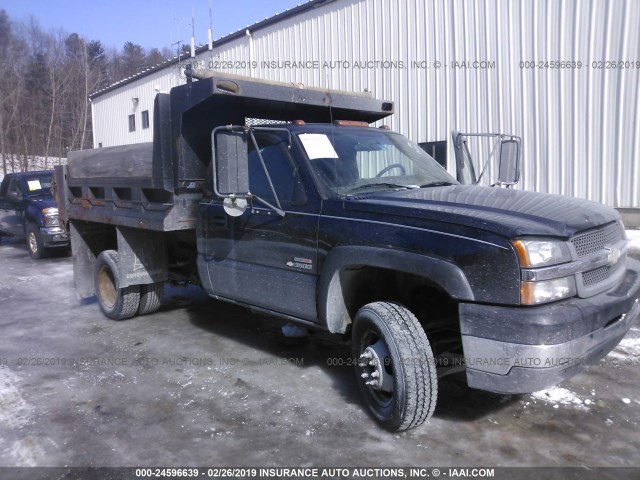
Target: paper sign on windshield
(317, 145)
(34, 185)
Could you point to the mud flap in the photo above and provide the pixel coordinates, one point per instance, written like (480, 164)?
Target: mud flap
(87, 241)
(142, 256)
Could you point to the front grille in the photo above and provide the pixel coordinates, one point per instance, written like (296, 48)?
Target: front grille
(599, 244)
(593, 277)
(596, 240)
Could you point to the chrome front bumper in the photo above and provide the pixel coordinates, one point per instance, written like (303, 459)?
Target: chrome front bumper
(523, 362)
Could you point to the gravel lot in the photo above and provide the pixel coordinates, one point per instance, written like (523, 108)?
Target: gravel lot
(205, 383)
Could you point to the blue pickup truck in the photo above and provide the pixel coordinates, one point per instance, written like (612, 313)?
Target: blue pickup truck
(27, 209)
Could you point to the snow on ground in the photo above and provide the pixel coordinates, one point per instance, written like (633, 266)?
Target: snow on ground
(561, 396)
(629, 347)
(15, 412)
(35, 163)
(634, 241)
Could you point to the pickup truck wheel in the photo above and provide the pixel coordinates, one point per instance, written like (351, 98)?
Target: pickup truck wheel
(116, 303)
(150, 298)
(395, 368)
(34, 242)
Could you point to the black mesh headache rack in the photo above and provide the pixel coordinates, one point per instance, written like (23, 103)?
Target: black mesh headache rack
(158, 185)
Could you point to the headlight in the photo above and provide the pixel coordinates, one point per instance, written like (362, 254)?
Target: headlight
(50, 217)
(541, 252)
(532, 293)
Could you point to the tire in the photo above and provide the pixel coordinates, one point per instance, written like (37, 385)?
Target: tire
(35, 245)
(116, 303)
(150, 298)
(401, 389)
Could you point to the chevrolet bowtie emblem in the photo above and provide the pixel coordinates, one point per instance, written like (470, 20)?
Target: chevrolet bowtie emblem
(613, 256)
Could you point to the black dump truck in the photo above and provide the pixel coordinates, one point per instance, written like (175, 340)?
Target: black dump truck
(27, 209)
(284, 199)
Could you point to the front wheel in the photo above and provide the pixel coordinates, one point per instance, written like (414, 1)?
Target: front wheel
(35, 245)
(116, 303)
(395, 368)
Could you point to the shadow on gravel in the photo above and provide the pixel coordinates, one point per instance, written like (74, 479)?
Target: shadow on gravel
(21, 249)
(456, 401)
(263, 333)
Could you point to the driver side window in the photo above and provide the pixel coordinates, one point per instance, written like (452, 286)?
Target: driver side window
(282, 172)
(15, 191)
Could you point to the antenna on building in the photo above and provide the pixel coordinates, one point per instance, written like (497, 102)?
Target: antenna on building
(210, 31)
(178, 50)
(193, 34)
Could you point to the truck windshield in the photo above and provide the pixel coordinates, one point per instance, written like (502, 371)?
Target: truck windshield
(38, 185)
(354, 161)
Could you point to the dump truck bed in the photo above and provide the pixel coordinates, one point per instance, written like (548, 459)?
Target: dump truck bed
(158, 185)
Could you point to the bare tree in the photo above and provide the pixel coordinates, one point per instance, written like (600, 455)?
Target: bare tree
(58, 76)
(46, 79)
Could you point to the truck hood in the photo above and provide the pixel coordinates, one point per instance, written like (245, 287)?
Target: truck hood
(503, 211)
(42, 202)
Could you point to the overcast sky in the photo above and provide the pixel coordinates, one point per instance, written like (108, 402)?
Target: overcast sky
(150, 23)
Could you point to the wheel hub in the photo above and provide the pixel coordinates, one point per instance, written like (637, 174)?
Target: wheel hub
(373, 361)
(106, 285)
(33, 243)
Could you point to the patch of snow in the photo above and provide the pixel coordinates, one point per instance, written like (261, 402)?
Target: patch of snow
(27, 279)
(15, 412)
(628, 347)
(634, 241)
(559, 396)
(626, 400)
(35, 163)
(26, 452)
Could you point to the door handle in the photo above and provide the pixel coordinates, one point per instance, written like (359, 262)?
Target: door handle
(220, 220)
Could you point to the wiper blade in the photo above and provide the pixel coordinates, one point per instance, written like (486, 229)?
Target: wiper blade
(375, 184)
(436, 184)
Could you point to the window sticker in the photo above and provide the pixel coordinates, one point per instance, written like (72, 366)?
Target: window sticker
(317, 145)
(34, 185)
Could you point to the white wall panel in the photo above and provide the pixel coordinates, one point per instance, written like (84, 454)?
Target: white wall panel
(580, 127)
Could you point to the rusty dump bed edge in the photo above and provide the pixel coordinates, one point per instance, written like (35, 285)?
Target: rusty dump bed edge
(157, 185)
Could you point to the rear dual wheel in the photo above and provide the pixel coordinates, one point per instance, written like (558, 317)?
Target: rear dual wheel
(150, 298)
(116, 302)
(395, 368)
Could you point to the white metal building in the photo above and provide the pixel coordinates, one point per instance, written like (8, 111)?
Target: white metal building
(473, 66)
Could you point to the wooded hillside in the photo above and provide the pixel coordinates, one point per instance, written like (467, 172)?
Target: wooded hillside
(46, 78)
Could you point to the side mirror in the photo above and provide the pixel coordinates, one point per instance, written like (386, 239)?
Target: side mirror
(465, 171)
(509, 162)
(230, 162)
